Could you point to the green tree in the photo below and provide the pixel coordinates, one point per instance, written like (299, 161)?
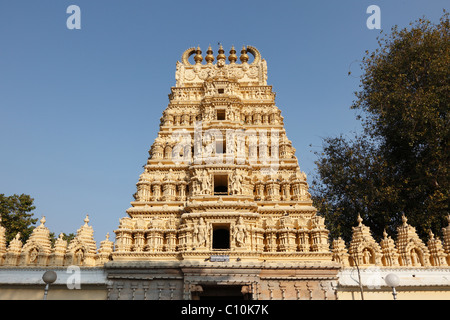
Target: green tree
(17, 216)
(400, 163)
(353, 181)
(67, 237)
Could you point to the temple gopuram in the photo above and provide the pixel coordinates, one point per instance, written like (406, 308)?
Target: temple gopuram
(222, 211)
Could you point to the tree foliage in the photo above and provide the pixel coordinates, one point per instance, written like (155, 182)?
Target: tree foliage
(17, 216)
(68, 237)
(400, 163)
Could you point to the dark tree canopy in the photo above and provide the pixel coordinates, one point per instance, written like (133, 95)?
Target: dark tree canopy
(400, 163)
(17, 216)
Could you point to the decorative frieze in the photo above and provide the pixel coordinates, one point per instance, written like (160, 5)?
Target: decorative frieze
(408, 251)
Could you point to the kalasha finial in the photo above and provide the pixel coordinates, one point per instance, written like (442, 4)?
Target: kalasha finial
(86, 220)
(198, 56)
(43, 220)
(360, 220)
(209, 57)
(404, 219)
(232, 57)
(221, 54)
(244, 55)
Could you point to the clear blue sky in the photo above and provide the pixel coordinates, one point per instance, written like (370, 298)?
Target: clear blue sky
(79, 109)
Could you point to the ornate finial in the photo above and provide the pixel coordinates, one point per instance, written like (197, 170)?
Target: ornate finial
(43, 220)
(244, 55)
(232, 57)
(431, 234)
(360, 220)
(221, 54)
(404, 219)
(385, 234)
(86, 220)
(198, 56)
(186, 55)
(209, 57)
(107, 236)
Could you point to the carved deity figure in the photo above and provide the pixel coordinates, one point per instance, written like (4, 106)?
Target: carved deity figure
(206, 183)
(366, 256)
(415, 258)
(240, 231)
(79, 256)
(236, 183)
(200, 233)
(230, 115)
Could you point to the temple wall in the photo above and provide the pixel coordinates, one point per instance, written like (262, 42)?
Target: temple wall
(178, 281)
(415, 284)
(72, 283)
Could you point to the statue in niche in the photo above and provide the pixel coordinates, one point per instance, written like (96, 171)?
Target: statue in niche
(79, 256)
(240, 232)
(206, 183)
(236, 183)
(415, 260)
(200, 233)
(366, 256)
(230, 115)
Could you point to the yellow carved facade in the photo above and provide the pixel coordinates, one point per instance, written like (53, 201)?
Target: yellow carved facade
(210, 173)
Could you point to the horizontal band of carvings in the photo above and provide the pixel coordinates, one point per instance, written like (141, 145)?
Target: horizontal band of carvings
(144, 278)
(299, 278)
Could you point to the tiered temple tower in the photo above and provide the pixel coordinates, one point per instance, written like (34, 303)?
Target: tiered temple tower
(222, 209)
(222, 184)
(222, 176)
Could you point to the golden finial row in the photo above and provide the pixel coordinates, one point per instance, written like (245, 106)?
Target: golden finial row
(209, 58)
(221, 58)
